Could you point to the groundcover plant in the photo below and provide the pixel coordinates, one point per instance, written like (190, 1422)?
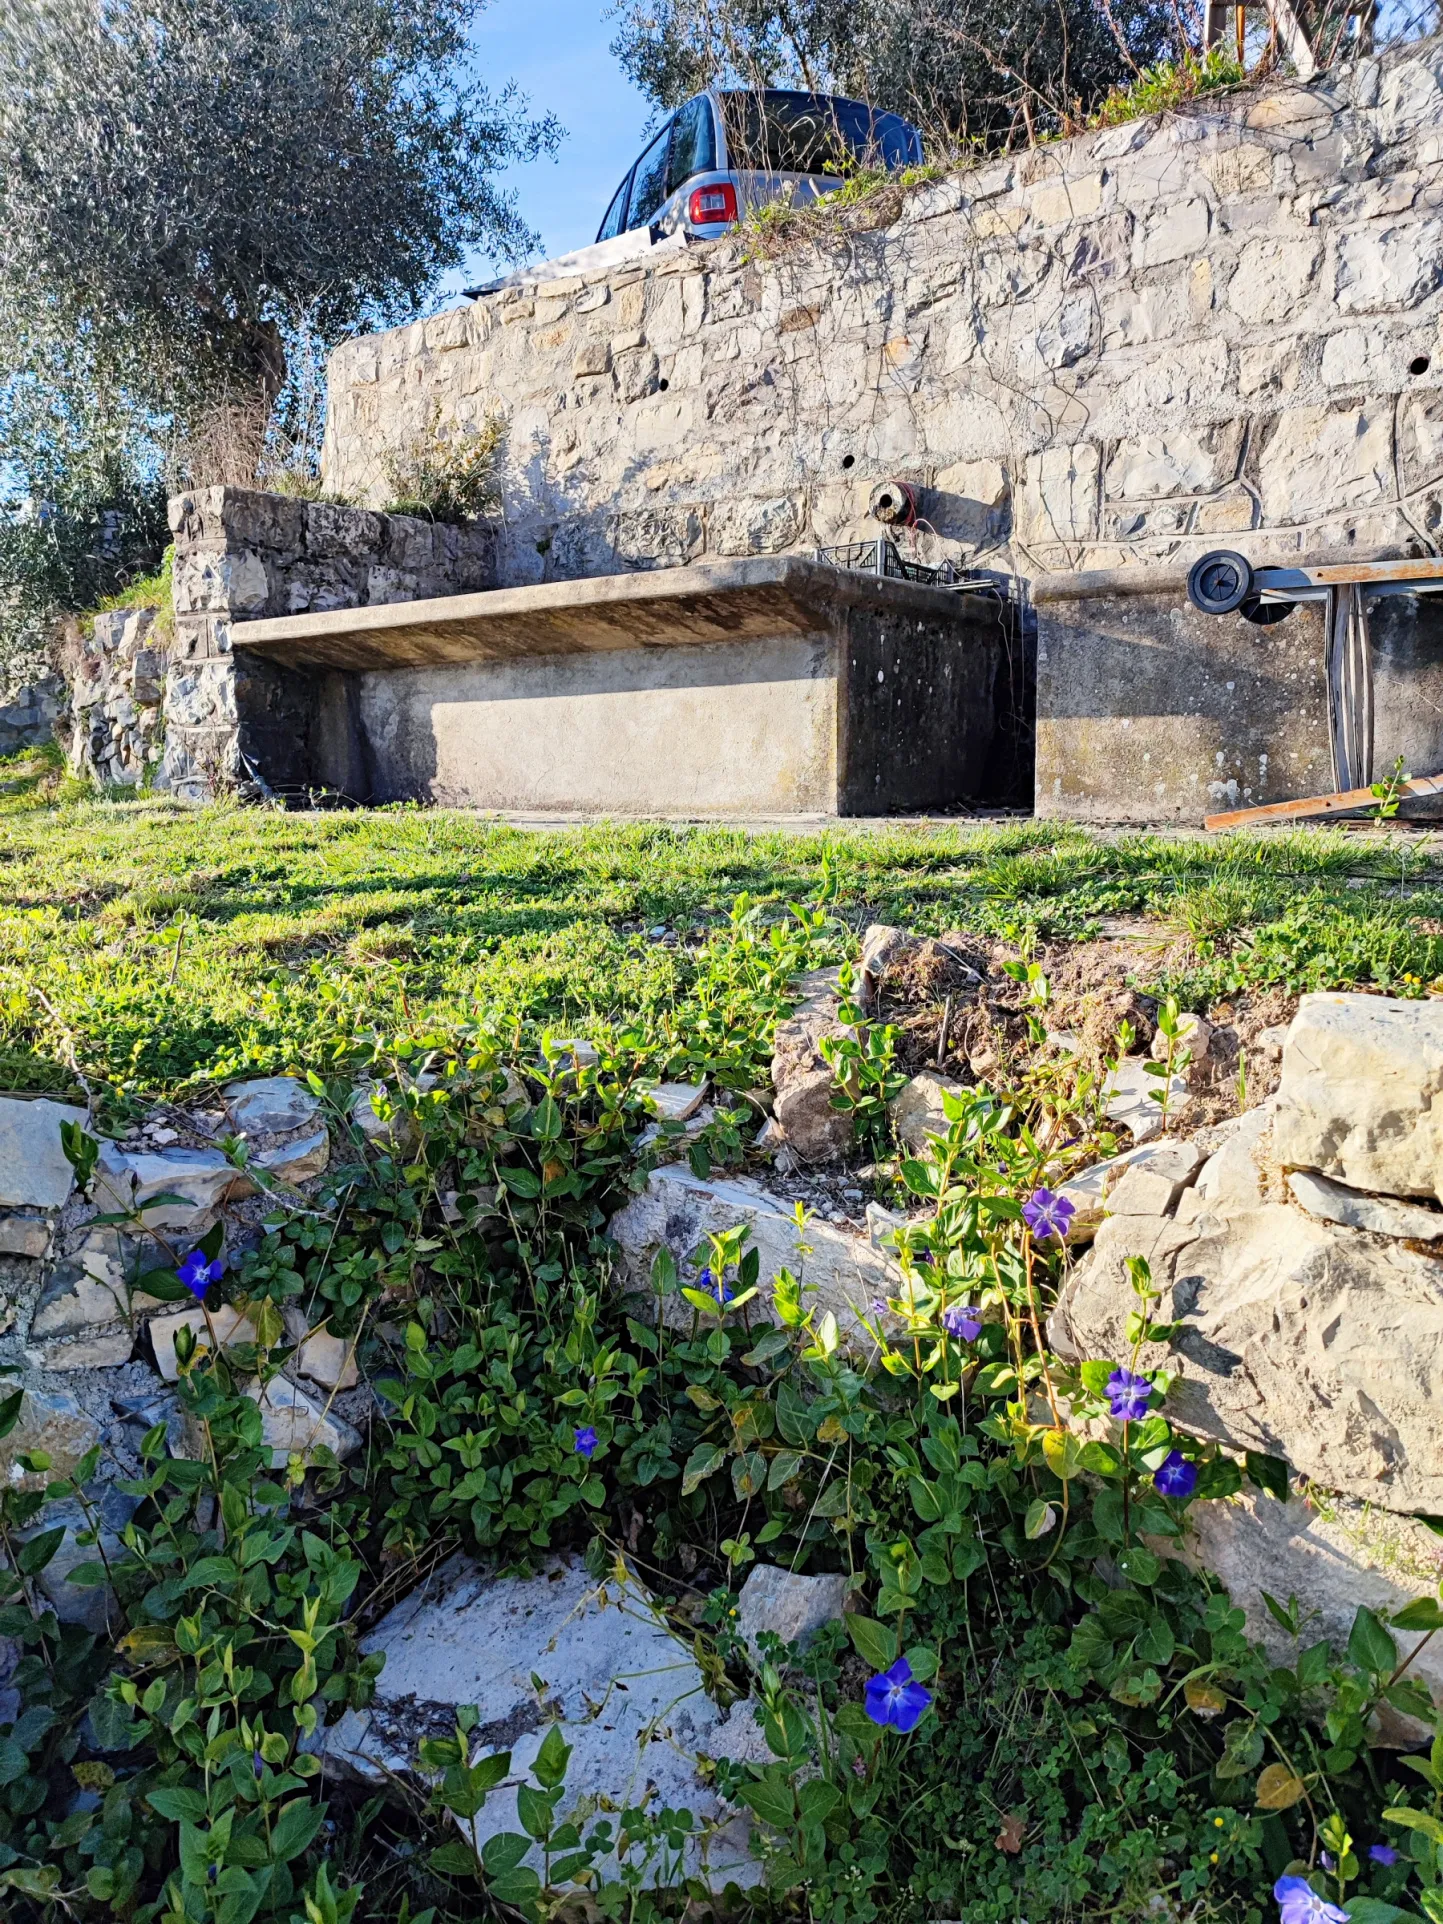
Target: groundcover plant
(1033, 1707)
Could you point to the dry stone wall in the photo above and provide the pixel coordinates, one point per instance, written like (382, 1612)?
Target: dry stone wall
(157, 694)
(1214, 327)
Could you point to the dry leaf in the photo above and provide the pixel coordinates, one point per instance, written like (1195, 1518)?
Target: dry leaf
(1204, 1699)
(1014, 1829)
(1278, 1788)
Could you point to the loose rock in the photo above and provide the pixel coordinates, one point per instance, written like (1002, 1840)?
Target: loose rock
(202, 1178)
(917, 1111)
(791, 1607)
(33, 1171)
(1383, 1215)
(298, 1161)
(465, 1637)
(677, 1210)
(803, 1078)
(1361, 1095)
(271, 1106)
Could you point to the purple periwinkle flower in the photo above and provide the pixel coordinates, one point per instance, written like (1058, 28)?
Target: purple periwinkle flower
(259, 1764)
(715, 1286)
(1127, 1395)
(877, 1306)
(1325, 1859)
(896, 1698)
(963, 1321)
(1048, 1214)
(585, 1442)
(1383, 1854)
(1299, 1903)
(199, 1271)
(1177, 1477)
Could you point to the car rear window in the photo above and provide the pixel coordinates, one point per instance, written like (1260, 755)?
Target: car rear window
(693, 143)
(648, 183)
(797, 133)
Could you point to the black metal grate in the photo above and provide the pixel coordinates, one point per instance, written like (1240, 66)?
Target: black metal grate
(880, 557)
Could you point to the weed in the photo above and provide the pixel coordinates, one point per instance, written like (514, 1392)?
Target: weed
(447, 476)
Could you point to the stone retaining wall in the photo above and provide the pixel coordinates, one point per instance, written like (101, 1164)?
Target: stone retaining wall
(166, 698)
(1214, 327)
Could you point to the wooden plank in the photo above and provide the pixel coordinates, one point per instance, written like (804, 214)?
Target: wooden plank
(1339, 804)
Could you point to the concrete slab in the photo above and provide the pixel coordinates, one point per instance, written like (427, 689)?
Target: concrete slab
(713, 601)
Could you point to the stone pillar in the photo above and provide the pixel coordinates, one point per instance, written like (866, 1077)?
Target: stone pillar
(248, 724)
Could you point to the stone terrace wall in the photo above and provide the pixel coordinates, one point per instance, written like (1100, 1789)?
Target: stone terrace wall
(1216, 327)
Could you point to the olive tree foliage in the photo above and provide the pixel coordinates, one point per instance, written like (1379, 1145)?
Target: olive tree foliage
(197, 199)
(968, 72)
(207, 172)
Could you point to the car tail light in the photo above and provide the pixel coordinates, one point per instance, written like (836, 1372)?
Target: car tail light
(712, 203)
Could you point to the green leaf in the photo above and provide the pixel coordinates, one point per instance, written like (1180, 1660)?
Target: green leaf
(1415, 1820)
(503, 1852)
(534, 1809)
(1094, 1376)
(296, 1828)
(178, 1802)
(1268, 1473)
(32, 1557)
(1422, 1614)
(454, 1860)
(875, 1643)
(924, 1499)
(771, 1801)
(1370, 1646)
(705, 1460)
(783, 1468)
(818, 1800)
(521, 1182)
(549, 1767)
(1373, 1910)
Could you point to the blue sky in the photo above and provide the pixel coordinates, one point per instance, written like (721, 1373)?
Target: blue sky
(557, 51)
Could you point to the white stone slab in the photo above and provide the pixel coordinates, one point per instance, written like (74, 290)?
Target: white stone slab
(33, 1171)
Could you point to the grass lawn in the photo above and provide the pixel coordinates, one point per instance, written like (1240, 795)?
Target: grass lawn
(156, 945)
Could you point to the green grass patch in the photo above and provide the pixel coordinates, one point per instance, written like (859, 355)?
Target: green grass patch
(160, 946)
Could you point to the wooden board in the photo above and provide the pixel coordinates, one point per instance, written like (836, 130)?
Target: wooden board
(1339, 804)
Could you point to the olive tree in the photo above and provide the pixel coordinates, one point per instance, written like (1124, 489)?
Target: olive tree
(204, 173)
(979, 71)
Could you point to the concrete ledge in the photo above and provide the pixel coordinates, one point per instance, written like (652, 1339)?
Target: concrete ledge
(714, 601)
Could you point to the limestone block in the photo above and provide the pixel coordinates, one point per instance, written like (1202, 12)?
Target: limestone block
(1420, 441)
(1060, 492)
(51, 1421)
(201, 1178)
(33, 1171)
(657, 538)
(1244, 169)
(1384, 268)
(333, 530)
(677, 1210)
(677, 1101)
(1382, 1215)
(917, 1113)
(1130, 1096)
(24, 1235)
(76, 1299)
(1409, 98)
(1273, 277)
(803, 1078)
(201, 694)
(466, 1637)
(1153, 1178)
(1065, 338)
(791, 1607)
(1053, 203)
(329, 1360)
(752, 527)
(293, 1425)
(1333, 1554)
(1321, 460)
(1173, 233)
(636, 375)
(227, 584)
(271, 1105)
(231, 1329)
(297, 1161)
(1315, 1343)
(88, 1605)
(1184, 461)
(1359, 1098)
